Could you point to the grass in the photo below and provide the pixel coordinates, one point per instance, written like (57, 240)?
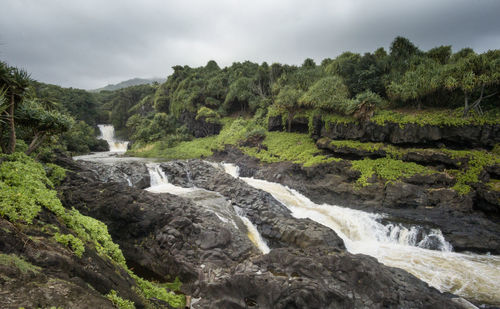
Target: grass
(197, 148)
(295, 147)
(281, 146)
(387, 169)
(437, 117)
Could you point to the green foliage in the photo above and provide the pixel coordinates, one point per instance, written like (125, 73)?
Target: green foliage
(23, 188)
(387, 169)
(152, 290)
(13, 260)
(208, 115)
(288, 100)
(95, 231)
(238, 131)
(294, 147)
(80, 139)
(441, 117)
(72, 242)
(119, 302)
(478, 160)
(370, 147)
(197, 148)
(55, 173)
(329, 93)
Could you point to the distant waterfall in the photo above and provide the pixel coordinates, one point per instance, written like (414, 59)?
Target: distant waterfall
(108, 134)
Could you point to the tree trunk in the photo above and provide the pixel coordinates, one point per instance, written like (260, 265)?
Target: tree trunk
(290, 119)
(466, 107)
(35, 143)
(12, 138)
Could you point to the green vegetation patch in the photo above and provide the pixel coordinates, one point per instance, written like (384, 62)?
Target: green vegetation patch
(197, 148)
(330, 119)
(478, 160)
(494, 184)
(16, 261)
(154, 290)
(370, 147)
(55, 173)
(119, 302)
(72, 242)
(24, 188)
(387, 169)
(295, 147)
(442, 117)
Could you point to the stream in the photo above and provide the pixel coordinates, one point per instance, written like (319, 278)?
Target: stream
(423, 253)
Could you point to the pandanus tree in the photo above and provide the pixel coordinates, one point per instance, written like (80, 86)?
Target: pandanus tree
(15, 83)
(474, 75)
(288, 100)
(41, 122)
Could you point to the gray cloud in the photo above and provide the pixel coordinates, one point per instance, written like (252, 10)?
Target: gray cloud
(90, 43)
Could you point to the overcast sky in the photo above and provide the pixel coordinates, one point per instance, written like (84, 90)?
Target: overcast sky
(91, 43)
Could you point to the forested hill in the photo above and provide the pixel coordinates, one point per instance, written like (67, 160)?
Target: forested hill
(130, 82)
(462, 86)
(352, 86)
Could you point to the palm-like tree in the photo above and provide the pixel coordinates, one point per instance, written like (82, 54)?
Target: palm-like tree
(15, 83)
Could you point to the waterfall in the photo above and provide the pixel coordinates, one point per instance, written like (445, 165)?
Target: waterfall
(468, 275)
(108, 134)
(211, 201)
(160, 184)
(253, 234)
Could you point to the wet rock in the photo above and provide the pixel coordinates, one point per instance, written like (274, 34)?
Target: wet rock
(288, 278)
(162, 235)
(401, 194)
(272, 219)
(101, 145)
(134, 174)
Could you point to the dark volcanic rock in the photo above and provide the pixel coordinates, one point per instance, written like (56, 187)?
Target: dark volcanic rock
(101, 145)
(199, 127)
(469, 136)
(58, 277)
(272, 219)
(134, 174)
(164, 236)
(288, 278)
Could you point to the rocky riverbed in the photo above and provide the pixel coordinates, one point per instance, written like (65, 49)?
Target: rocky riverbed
(201, 238)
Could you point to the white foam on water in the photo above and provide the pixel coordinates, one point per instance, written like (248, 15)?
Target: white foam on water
(468, 275)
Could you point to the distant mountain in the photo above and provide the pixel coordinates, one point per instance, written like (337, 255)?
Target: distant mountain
(130, 82)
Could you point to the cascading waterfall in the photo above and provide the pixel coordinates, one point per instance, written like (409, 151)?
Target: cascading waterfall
(468, 275)
(108, 134)
(160, 184)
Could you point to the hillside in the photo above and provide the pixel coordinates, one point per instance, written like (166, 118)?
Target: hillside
(131, 82)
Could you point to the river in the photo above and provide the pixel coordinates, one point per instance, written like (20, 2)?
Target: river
(469, 275)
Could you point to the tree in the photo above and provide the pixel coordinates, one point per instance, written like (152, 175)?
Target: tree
(474, 74)
(41, 122)
(441, 54)
(15, 82)
(288, 99)
(328, 93)
(418, 82)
